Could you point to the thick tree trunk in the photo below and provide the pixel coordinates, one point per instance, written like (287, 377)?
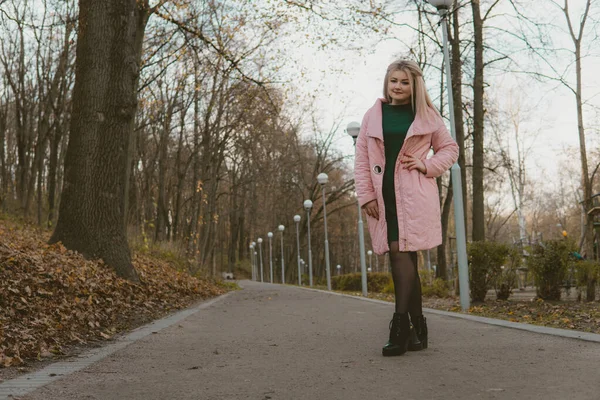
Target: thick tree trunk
(94, 202)
(456, 70)
(442, 269)
(3, 174)
(478, 119)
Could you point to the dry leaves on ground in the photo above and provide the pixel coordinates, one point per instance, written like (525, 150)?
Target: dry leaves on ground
(51, 297)
(563, 314)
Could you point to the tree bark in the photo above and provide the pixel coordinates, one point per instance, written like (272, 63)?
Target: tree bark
(478, 127)
(93, 207)
(456, 71)
(442, 264)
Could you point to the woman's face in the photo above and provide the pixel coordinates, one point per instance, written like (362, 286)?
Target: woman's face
(399, 88)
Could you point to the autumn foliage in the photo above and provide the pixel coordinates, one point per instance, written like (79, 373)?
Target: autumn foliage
(51, 298)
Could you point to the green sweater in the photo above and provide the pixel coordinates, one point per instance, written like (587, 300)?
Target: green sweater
(396, 121)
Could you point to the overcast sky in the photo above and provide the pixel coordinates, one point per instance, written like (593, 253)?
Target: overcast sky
(346, 83)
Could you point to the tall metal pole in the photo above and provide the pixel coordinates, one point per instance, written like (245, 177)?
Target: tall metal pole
(322, 178)
(255, 265)
(297, 221)
(308, 206)
(459, 221)
(252, 262)
(270, 235)
(355, 127)
(260, 255)
(281, 228)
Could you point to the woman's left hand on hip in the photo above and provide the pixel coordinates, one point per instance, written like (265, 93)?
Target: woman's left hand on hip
(410, 162)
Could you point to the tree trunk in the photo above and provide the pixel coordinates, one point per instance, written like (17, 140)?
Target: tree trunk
(442, 264)
(456, 71)
(3, 174)
(93, 206)
(478, 116)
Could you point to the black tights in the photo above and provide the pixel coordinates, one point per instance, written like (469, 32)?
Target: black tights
(407, 284)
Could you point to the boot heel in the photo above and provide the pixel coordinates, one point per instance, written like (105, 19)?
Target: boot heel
(414, 344)
(399, 336)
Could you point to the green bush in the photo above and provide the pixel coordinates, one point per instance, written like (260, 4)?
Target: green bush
(587, 276)
(439, 288)
(506, 279)
(430, 287)
(549, 264)
(485, 262)
(377, 282)
(389, 288)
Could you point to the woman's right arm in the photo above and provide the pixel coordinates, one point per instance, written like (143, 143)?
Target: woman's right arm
(362, 168)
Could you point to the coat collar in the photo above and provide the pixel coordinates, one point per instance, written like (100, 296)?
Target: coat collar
(420, 126)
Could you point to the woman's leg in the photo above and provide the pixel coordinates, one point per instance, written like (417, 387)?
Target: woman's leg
(415, 307)
(407, 286)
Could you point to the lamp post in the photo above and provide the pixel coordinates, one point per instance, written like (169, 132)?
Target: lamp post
(353, 129)
(259, 240)
(339, 269)
(370, 254)
(252, 261)
(307, 206)
(270, 236)
(281, 229)
(322, 178)
(461, 242)
(255, 263)
(297, 221)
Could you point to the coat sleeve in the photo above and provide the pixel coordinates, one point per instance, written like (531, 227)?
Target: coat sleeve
(362, 169)
(445, 153)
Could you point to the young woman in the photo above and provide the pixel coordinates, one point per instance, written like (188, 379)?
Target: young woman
(396, 187)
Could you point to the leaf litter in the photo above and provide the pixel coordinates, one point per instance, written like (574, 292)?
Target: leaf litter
(52, 298)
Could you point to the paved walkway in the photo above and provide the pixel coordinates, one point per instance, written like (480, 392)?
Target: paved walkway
(277, 342)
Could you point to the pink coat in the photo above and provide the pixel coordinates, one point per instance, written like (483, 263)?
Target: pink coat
(417, 195)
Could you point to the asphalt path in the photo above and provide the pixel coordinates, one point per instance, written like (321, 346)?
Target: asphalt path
(281, 342)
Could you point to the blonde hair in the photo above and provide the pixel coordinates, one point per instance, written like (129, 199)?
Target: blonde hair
(421, 102)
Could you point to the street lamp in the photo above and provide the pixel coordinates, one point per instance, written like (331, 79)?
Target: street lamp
(322, 178)
(281, 229)
(259, 240)
(353, 130)
(307, 206)
(461, 242)
(252, 261)
(297, 221)
(270, 236)
(339, 269)
(370, 254)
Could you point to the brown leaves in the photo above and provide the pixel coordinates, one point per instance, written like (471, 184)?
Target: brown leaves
(565, 314)
(51, 297)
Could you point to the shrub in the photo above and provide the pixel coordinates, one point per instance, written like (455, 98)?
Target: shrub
(549, 264)
(347, 282)
(506, 279)
(430, 287)
(587, 276)
(439, 288)
(376, 282)
(485, 262)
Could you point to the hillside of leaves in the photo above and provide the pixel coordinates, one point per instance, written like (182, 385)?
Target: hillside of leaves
(51, 298)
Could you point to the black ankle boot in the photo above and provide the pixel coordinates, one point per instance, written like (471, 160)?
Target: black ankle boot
(414, 343)
(399, 336)
(420, 327)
